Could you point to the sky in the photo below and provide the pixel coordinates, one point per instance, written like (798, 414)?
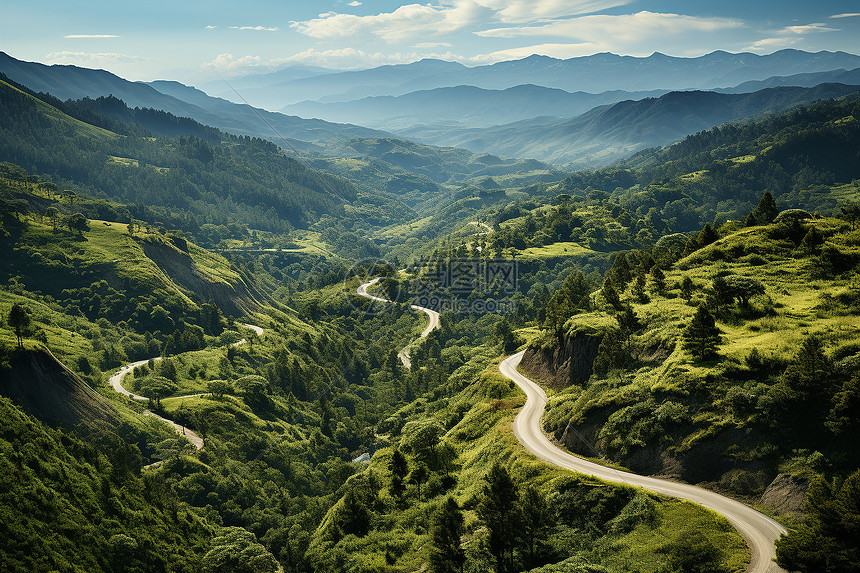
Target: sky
(195, 40)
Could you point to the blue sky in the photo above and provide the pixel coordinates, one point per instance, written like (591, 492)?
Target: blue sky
(193, 40)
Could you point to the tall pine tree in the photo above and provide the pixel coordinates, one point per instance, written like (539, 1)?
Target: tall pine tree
(499, 511)
(447, 555)
(702, 336)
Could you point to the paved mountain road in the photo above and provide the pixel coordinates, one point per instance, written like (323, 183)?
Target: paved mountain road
(759, 531)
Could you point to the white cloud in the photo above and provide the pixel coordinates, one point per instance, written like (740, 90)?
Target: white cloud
(405, 22)
(427, 45)
(210, 27)
(846, 15)
(638, 34)
(226, 63)
(788, 36)
(816, 27)
(354, 3)
(770, 44)
(90, 36)
(91, 59)
(621, 29)
(256, 28)
(524, 11)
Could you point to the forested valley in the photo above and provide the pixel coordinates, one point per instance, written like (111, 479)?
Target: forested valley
(692, 312)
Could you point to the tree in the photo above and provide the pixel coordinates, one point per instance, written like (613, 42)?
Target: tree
(536, 521)
(687, 288)
(827, 540)
(158, 387)
(447, 555)
(19, 320)
(498, 509)
(851, 213)
(610, 295)
(812, 241)
(764, 213)
(639, 289)
(130, 227)
(702, 336)
(417, 476)
(659, 279)
(505, 335)
(421, 438)
(236, 550)
(620, 274)
(353, 517)
(628, 322)
(79, 223)
(218, 388)
(702, 239)
(745, 288)
(399, 468)
(53, 215)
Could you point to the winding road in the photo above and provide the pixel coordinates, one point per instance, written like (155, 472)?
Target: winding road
(116, 383)
(403, 355)
(759, 531)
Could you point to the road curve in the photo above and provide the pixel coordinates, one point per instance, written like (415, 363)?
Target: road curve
(759, 530)
(116, 379)
(432, 325)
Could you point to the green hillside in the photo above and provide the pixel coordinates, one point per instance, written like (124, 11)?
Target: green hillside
(188, 179)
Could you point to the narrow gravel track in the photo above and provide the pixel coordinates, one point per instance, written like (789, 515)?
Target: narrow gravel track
(116, 383)
(759, 531)
(403, 355)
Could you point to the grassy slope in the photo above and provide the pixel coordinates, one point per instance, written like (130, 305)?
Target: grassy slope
(802, 304)
(478, 417)
(65, 121)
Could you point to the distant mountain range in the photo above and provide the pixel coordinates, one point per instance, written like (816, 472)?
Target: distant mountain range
(608, 133)
(523, 121)
(72, 82)
(461, 106)
(594, 74)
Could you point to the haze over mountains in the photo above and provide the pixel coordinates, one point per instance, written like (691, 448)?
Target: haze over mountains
(594, 74)
(521, 109)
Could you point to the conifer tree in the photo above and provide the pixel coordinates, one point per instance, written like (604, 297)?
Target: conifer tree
(687, 287)
(764, 213)
(628, 322)
(447, 555)
(611, 295)
(499, 511)
(702, 336)
(659, 279)
(399, 468)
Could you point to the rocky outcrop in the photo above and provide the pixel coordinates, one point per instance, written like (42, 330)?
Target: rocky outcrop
(566, 361)
(785, 495)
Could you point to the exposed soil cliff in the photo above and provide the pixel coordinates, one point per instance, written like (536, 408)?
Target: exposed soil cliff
(233, 298)
(42, 386)
(567, 361)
